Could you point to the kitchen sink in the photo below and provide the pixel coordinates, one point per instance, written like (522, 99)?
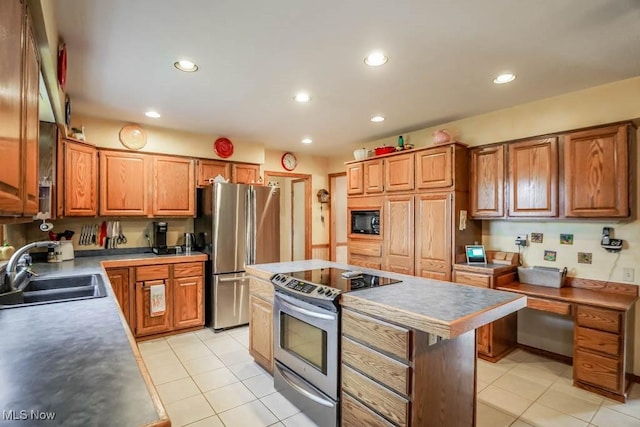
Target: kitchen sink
(56, 289)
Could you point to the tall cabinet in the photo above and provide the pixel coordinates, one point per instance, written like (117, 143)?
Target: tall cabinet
(423, 205)
(19, 74)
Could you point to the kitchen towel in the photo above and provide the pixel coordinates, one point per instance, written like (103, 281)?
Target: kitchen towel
(157, 298)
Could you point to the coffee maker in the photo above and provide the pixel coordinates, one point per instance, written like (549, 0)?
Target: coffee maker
(160, 238)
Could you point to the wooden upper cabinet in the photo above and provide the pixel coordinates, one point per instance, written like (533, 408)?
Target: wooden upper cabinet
(124, 187)
(434, 168)
(533, 178)
(355, 178)
(80, 166)
(12, 170)
(399, 172)
(174, 187)
(399, 234)
(596, 173)
(373, 176)
(208, 169)
(31, 123)
(242, 173)
(433, 236)
(487, 182)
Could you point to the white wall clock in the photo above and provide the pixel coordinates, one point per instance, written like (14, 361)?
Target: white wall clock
(289, 161)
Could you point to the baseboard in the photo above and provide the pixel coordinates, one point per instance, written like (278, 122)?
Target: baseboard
(568, 360)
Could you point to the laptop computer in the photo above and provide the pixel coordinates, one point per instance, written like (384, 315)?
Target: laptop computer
(475, 254)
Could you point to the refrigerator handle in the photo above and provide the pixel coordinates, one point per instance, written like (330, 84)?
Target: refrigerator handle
(248, 223)
(254, 226)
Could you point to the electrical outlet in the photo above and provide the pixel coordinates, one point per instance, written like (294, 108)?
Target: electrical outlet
(521, 240)
(628, 274)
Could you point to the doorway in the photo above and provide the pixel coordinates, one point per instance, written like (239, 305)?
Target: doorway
(295, 214)
(338, 224)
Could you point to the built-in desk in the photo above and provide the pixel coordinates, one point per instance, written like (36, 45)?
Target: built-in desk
(603, 314)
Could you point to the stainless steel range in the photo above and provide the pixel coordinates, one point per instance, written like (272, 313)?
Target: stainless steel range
(307, 337)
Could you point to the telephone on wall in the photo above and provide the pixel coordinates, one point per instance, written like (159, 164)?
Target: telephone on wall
(609, 243)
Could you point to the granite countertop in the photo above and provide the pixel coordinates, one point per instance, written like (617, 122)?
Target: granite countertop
(442, 308)
(75, 358)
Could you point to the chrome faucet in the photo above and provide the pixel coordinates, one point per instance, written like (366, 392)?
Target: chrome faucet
(13, 274)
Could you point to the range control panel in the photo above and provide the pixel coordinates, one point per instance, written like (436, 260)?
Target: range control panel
(303, 288)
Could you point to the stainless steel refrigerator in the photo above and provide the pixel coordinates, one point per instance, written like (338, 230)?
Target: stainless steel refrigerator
(239, 225)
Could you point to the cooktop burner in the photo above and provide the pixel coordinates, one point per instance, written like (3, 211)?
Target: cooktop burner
(323, 287)
(332, 277)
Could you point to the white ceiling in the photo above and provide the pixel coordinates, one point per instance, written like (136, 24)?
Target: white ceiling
(255, 54)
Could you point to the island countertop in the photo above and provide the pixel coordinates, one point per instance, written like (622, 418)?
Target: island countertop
(442, 308)
(78, 359)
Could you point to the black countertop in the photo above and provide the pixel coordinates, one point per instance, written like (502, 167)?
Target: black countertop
(73, 359)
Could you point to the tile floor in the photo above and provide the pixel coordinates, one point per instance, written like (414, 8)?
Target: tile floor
(207, 379)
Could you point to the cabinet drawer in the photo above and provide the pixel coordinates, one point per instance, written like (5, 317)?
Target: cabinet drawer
(384, 369)
(188, 269)
(377, 334)
(603, 342)
(597, 370)
(598, 318)
(365, 248)
(473, 279)
(152, 272)
(549, 305)
(366, 263)
(355, 414)
(392, 406)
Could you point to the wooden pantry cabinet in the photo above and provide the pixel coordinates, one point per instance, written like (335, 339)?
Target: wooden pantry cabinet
(421, 227)
(596, 172)
(19, 127)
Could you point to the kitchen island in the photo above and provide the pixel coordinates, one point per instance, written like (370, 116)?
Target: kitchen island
(408, 350)
(77, 362)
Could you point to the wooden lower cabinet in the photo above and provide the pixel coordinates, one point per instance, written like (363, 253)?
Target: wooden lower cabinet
(146, 323)
(119, 279)
(497, 339)
(184, 296)
(261, 332)
(600, 359)
(396, 376)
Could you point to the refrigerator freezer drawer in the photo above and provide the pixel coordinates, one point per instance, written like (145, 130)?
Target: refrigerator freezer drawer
(230, 300)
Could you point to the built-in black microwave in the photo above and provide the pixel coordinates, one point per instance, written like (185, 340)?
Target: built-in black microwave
(365, 222)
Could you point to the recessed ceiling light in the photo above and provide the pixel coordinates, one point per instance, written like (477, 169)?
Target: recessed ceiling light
(152, 114)
(302, 97)
(377, 119)
(307, 141)
(375, 59)
(504, 78)
(186, 66)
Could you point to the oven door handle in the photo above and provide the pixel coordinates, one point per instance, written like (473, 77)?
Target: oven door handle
(291, 381)
(306, 312)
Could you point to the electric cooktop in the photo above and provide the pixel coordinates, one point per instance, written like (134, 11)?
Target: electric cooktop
(333, 278)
